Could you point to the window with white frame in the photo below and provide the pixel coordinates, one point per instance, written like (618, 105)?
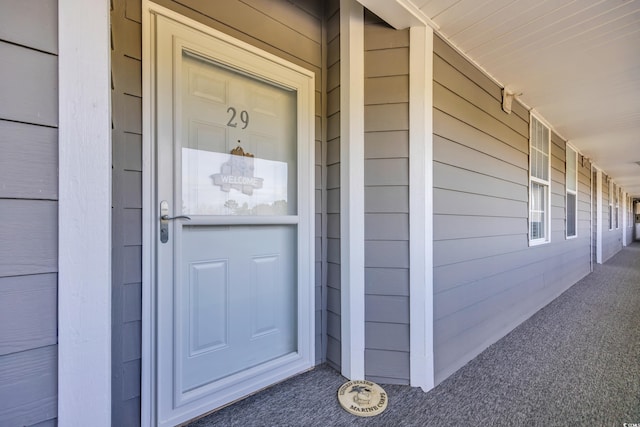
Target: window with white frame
(571, 179)
(539, 182)
(617, 218)
(610, 203)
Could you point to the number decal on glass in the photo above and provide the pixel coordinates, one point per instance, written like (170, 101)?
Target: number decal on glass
(244, 118)
(231, 122)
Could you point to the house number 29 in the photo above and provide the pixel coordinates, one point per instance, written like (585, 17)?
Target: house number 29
(244, 118)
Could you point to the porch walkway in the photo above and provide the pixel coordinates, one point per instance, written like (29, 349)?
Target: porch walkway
(575, 362)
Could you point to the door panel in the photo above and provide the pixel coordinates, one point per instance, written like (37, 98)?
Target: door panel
(208, 294)
(237, 304)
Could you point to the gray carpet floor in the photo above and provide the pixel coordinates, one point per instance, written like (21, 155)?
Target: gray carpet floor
(576, 362)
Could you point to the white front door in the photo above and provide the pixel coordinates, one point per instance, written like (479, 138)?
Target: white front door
(234, 287)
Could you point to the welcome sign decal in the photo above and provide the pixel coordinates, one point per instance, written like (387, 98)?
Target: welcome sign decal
(238, 173)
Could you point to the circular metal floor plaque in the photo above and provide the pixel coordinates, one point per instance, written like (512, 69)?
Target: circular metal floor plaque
(362, 398)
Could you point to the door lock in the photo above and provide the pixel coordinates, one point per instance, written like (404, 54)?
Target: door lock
(164, 221)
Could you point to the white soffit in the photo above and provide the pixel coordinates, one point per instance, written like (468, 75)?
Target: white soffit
(399, 14)
(577, 63)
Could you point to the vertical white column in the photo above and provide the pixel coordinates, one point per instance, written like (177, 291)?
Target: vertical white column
(599, 215)
(352, 187)
(84, 215)
(636, 226)
(623, 214)
(421, 206)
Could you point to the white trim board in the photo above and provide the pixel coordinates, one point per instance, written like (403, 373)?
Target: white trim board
(84, 214)
(352, 188)
(600, 219)
(421, 207)
(623, 214)
(148, 365)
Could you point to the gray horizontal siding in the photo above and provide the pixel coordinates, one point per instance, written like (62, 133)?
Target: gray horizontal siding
(386, 165)
(20, 298)
(30, 24)
(28, 208)
(28, 237)
(126, 75)
(29, 213)
(29, 85)
(392, 366)
(29, 161)
(28, 387)
(261, 24)
(332, 183)
(474, 74)
(487, 279)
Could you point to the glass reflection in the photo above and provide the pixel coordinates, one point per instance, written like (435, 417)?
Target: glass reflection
(233, 183)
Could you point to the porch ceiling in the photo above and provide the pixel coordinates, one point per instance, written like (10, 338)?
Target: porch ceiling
(576, 62)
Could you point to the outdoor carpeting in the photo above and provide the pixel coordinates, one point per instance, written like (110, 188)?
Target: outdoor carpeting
(576, 362)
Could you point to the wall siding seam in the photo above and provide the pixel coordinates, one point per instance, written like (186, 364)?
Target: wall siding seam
(28, 123)
(443, 161)
(467, 76)
(478, 194)
(541, 261)
(284, 22)
(482, 173)
(31, 48)
(496, 114)
(460, 119)
(480, 216)
(488, 297)
(467, 119)
(443, 50)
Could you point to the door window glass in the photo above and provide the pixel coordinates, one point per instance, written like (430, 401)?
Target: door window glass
(238, 142)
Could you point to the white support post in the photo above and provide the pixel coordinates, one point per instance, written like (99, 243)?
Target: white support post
(623, 214)
(84, 214)
(599, 216)
(352, 187)
(421, 206)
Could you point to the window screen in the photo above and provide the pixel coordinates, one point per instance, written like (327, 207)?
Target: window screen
(572, 191)
(539, 182)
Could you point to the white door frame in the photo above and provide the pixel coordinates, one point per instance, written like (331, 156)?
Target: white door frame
(303, 82)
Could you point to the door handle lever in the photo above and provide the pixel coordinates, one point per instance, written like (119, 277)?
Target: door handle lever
(169, 218)
(164, 221)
